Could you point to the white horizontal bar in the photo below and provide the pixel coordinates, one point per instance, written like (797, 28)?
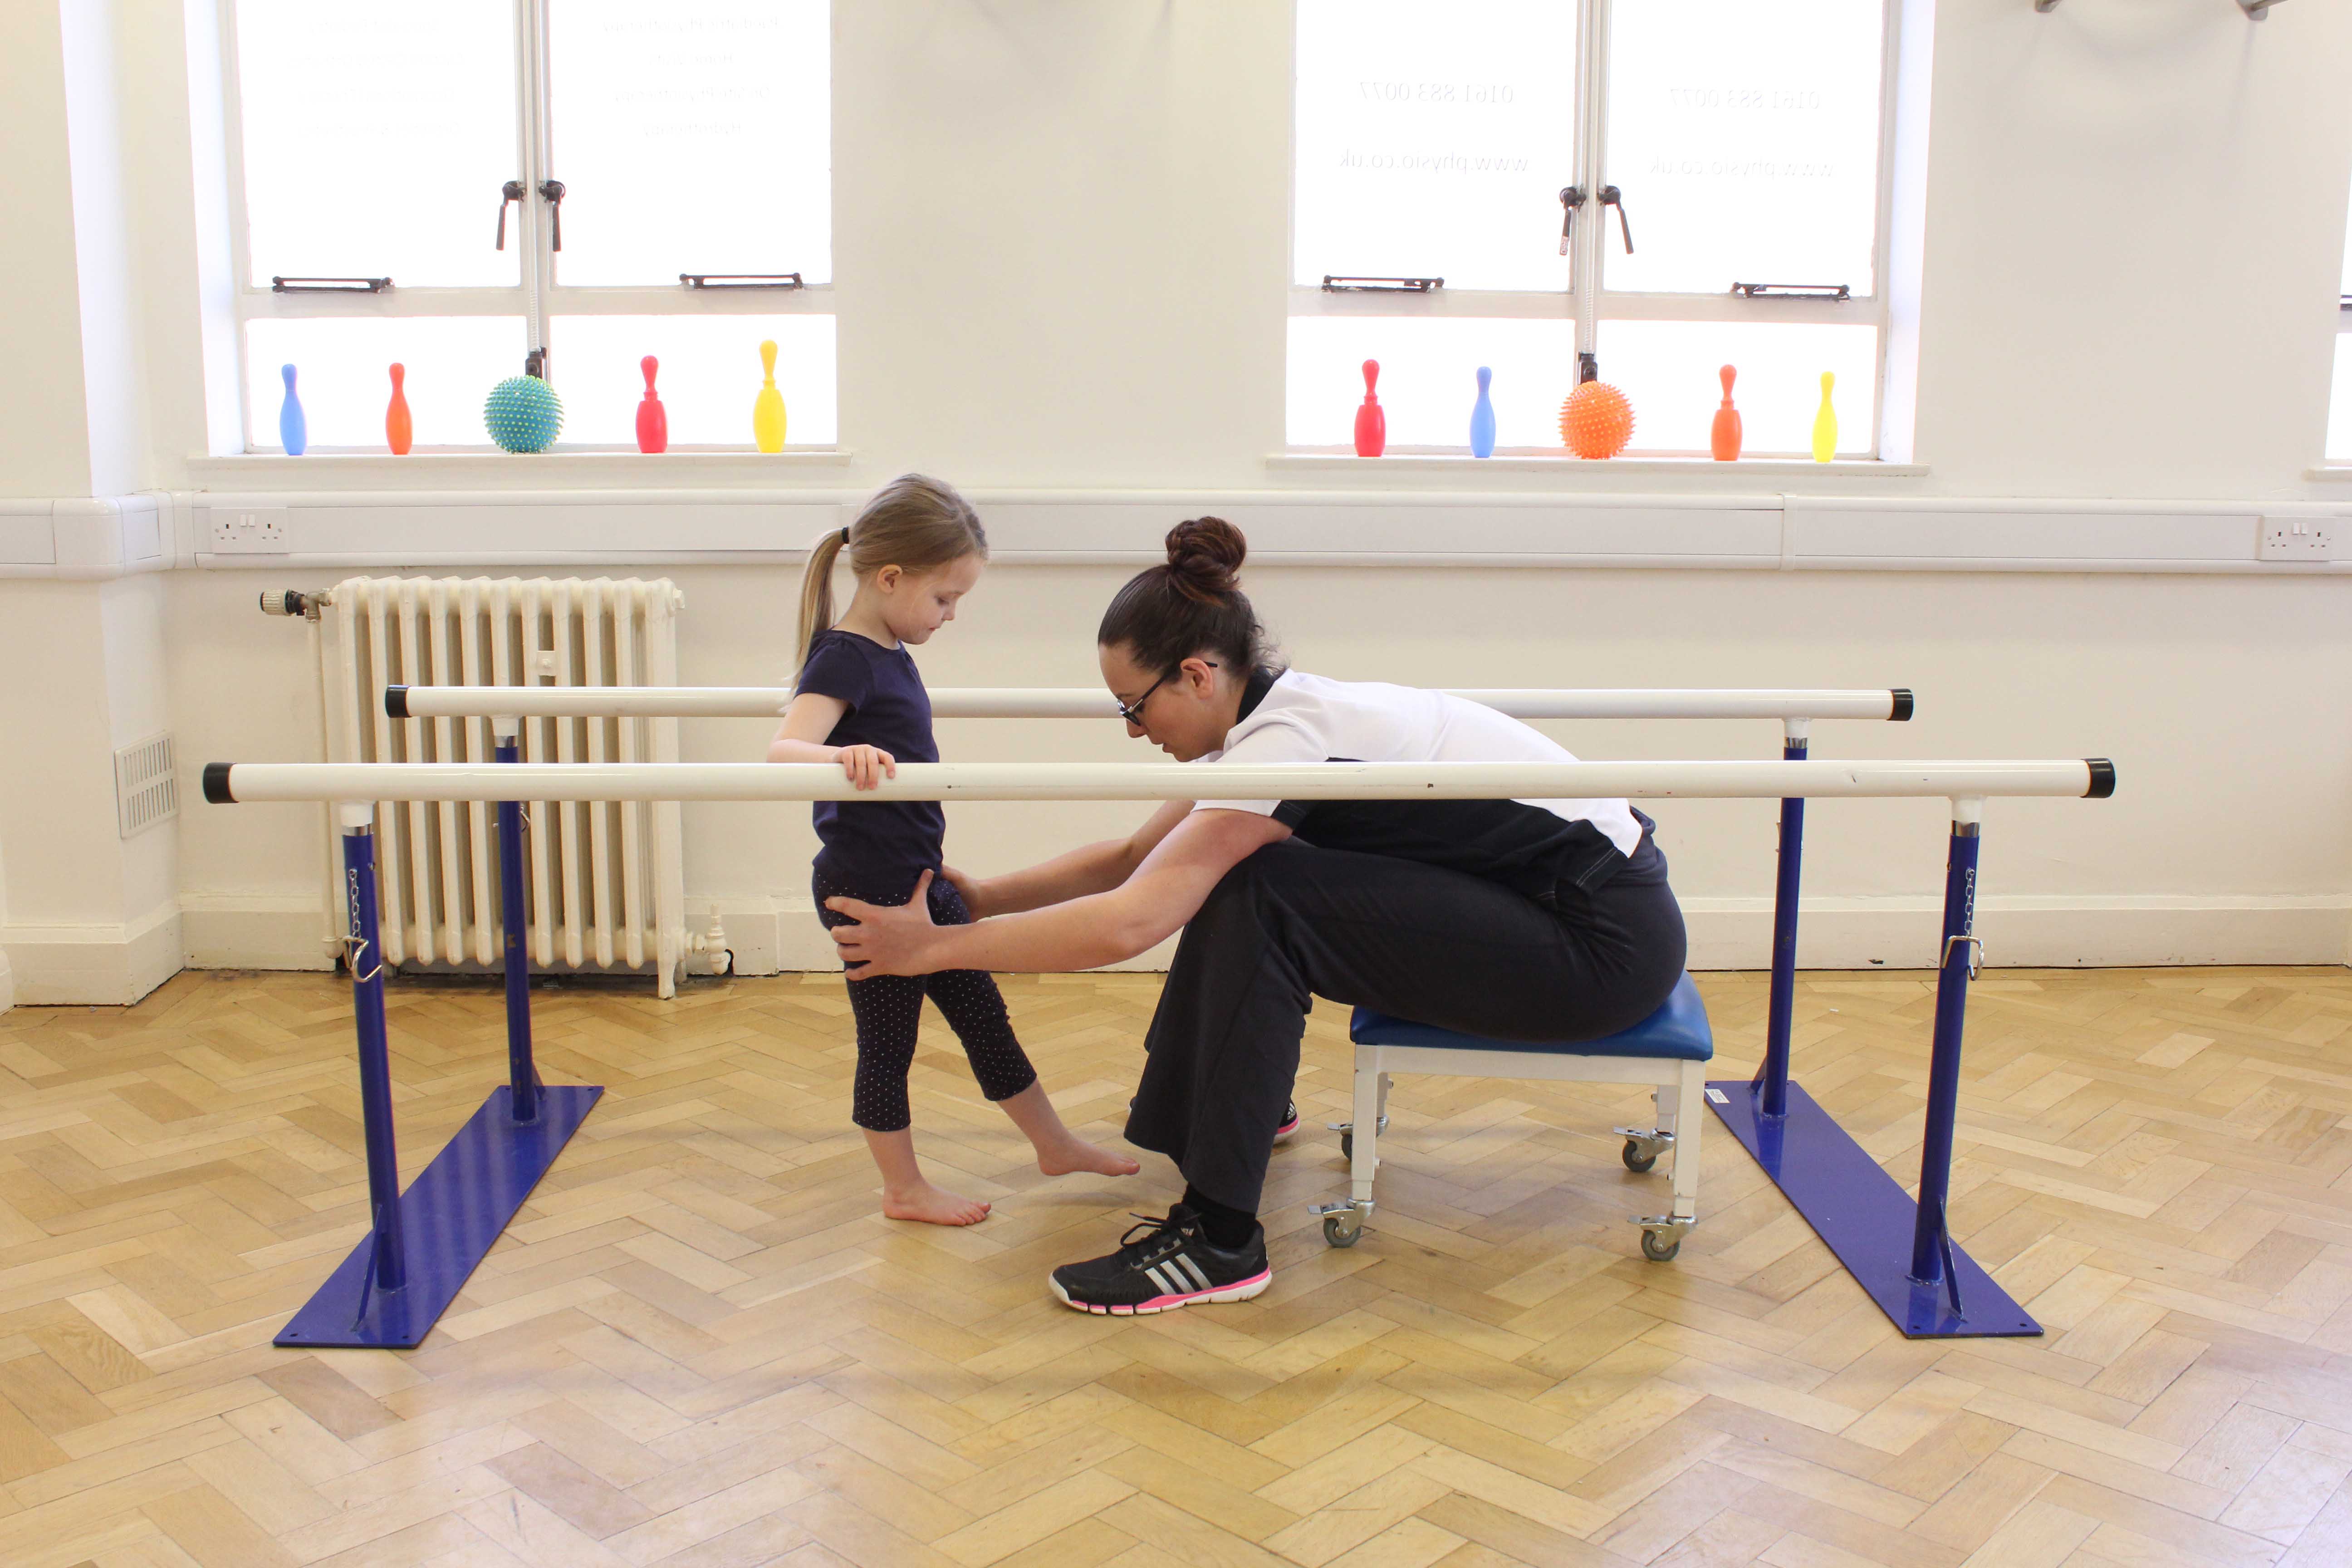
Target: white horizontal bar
(1147, 781)
(1084, 702)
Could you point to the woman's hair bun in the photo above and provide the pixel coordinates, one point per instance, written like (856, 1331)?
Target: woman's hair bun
(1204, 554)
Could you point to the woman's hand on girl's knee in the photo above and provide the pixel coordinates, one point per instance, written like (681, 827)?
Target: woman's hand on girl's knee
(885, 939)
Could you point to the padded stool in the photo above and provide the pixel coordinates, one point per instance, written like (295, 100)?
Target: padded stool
(1668, 1050)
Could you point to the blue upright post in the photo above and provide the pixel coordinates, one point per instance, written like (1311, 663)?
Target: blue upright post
(1898, 1250)
(522, 1078)
(363, 955)
(1770, 1084)
(1931, 1241)
(395, 1284)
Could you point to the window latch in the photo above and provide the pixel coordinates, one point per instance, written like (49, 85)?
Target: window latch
(741, 279)
(1570, 198)
(329, 285)
(553, 191)
(1794, 290)
(1610, 196)
(1333, 283)
(512, 191)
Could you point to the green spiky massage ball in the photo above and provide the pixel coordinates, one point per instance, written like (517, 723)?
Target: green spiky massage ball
(523, 413)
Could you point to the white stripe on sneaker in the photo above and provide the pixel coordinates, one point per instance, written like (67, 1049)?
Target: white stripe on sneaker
(1199, 1279)
(1159, 1276)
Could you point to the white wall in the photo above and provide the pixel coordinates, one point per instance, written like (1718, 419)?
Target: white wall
(1061, 247)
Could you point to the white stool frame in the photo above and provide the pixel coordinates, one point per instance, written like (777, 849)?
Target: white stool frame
(1678, 1090)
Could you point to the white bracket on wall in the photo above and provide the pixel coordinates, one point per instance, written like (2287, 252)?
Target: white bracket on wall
(2257, 9)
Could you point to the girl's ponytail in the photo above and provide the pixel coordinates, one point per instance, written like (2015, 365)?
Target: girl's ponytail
(816, 592)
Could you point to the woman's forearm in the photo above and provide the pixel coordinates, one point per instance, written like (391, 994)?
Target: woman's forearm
(1082, 933)
(1093, 868)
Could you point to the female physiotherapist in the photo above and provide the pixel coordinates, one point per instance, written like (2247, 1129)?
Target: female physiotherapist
(1547, 920)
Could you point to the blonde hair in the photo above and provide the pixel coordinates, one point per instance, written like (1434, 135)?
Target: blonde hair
(915, 523)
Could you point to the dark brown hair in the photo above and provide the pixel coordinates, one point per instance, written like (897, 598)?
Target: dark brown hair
(914, 523)
(1194, 605)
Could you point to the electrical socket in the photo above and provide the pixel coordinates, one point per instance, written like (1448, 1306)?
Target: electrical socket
(2297, 539)
(248, 529)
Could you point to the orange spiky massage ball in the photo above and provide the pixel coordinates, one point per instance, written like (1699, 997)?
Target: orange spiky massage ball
(1596, 421)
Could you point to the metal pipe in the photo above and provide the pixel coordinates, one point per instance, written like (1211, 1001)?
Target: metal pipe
(363, 956)
(522, 1076)
(1085, 703)
(1931, 1242)
(1772, 1077)
(229, 782)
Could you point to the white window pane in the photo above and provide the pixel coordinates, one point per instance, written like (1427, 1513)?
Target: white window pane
(343, 379)
(692, 138)
(376, 138)
(1434, 143)
(1745, 136)
(2339, 408)
(709, 376)
(1429, 378)
(1669, 370)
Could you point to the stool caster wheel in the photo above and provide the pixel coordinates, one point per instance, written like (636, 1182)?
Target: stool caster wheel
(1637, 1161)
(1660, 1246)
(1343, 1230)
(1348, 1145)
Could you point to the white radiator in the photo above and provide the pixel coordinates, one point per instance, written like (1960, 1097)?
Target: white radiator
(602, 880)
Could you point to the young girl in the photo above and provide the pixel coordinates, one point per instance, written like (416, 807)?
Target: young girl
(915, 550)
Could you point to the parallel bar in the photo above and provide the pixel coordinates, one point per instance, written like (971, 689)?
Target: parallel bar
(229, 782)
(1082, 703)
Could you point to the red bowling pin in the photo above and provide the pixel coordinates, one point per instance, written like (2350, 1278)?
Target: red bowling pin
(1371, 419)
(653, 419)
(399, 428)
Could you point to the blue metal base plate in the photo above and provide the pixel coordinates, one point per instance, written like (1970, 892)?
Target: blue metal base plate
(452, 1215)
(1864, 1216)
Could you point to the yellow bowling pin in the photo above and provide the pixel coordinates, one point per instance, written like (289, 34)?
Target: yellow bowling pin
(1825, 422)
(768, 409)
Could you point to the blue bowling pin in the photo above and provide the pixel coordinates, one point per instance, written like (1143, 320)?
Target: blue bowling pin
(1482, 418)
(293, 431)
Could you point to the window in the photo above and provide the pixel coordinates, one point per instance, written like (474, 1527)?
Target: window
(533, 174)
(1667, 185)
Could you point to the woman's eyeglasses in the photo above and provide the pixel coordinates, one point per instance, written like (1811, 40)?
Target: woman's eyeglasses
(1133, 711)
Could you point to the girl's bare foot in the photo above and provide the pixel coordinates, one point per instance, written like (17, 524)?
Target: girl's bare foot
(932, 1206)
(1067, 1153)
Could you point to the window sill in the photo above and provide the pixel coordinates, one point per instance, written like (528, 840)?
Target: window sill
(2338, 471)
(1324, 460)
(558, 469)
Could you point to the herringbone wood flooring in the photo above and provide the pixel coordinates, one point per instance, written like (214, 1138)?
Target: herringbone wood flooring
(699, 1344)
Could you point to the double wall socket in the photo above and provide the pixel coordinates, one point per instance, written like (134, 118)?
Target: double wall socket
(2297, 539)
(246, 530)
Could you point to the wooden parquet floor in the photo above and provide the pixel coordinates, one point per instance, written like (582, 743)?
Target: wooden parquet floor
(700, 1344)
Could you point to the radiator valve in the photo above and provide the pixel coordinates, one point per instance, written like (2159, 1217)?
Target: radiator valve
(291, 602)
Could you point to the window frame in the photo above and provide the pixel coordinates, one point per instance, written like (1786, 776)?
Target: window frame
(1590, 306)
(536, 296)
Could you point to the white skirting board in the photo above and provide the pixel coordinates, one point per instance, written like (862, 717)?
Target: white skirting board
(94, 965)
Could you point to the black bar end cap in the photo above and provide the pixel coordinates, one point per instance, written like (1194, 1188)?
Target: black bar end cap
(1899, 712)
(216, 785)
(396, 701)
(2103, 778)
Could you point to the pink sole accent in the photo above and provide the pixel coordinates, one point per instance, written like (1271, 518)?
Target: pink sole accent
(1241, 1291)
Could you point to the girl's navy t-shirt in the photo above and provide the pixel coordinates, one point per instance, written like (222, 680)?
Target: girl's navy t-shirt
(877, 845)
